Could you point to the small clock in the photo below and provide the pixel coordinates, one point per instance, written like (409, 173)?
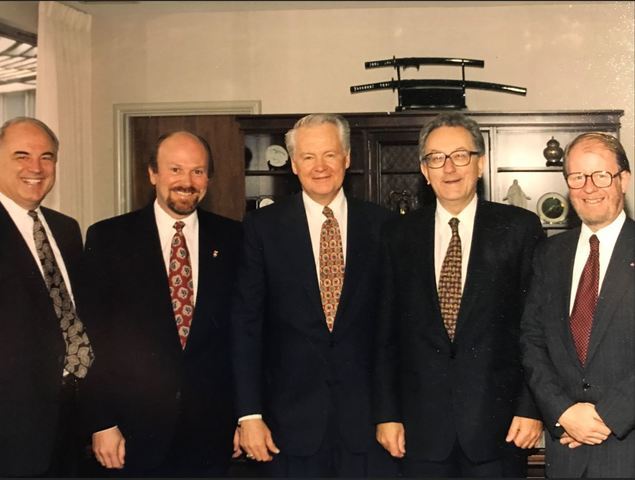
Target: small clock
(277, 157)
(552, 208)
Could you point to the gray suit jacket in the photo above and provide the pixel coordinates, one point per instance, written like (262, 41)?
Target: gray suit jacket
(607, 380)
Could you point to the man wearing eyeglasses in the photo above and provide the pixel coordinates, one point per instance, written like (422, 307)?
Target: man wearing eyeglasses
(578, 330)
(448, 383)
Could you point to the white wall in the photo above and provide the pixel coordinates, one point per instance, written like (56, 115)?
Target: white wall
(569, 56)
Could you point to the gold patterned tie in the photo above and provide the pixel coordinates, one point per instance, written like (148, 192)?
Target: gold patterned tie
(331, 266)
(450, 281)
(181, 283)
(79, 354)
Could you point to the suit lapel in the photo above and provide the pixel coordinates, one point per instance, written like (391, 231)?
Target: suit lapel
(618, 280)
(22, 264)
(563, 269)
(300, 253)
(357, 245)
(148, 254)
(485, 241)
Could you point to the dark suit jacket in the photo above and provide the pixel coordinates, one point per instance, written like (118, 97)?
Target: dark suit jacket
(288, 366)
(470, 388)
(142, 380)
(33, 349)
(608, 378)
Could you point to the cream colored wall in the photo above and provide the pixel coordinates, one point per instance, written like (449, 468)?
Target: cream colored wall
(569, 57)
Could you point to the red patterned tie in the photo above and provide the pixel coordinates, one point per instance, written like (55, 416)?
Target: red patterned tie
(585, 301)
(450, 281)
(331, 266)
(181, 283)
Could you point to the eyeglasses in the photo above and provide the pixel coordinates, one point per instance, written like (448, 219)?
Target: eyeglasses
(600, 179)
(460, 158)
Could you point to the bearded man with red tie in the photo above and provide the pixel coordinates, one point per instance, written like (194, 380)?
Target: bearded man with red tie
(160, 279)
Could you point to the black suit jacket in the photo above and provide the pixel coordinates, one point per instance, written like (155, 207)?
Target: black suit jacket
(288, 366)
(608, 378)
(470, 388)
(142, 380)
(33, 349)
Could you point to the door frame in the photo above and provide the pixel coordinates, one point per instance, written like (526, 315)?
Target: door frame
(123, 114)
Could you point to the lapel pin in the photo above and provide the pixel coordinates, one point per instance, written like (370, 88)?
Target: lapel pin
(632, 264)
(214, 253)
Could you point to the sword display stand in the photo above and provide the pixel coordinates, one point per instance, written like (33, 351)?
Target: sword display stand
(431, 94)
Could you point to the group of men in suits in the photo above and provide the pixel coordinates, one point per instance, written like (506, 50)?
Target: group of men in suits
(323, 328)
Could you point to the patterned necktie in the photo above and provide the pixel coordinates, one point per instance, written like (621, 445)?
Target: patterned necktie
(331, 266)
(181, 283)
(450, 281)
(79, 353)
(585, 301)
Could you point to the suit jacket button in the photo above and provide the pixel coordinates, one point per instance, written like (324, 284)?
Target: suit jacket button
(585, 386)
(178, 395)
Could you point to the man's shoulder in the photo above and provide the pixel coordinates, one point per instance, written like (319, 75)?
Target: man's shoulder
(124, 221)
(511, 213)
(373, 211)
(55, 216)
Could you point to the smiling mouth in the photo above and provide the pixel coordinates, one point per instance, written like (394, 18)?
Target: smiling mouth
(32, 181)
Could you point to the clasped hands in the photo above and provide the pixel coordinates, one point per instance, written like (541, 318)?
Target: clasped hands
(524, 432)
(583, 426)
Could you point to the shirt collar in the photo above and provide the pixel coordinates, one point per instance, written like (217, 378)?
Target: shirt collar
(466, 216)
(606, 234)
(314, 209)
(166, 223)
(15, 210)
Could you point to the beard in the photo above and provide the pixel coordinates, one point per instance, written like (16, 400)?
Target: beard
(183, 206)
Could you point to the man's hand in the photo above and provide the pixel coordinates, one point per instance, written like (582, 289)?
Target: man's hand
(524, 432)
(392, 436)
(583, 424)
(256, 440)
(237, 449)
(109, 447)
(565, 439)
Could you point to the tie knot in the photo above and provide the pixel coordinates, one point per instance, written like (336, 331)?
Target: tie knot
(594, 242)
(328, 213)
(454, 224)
(32, 214)
(178, 226)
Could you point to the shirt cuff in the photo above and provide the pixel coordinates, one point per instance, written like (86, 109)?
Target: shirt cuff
(254, 416)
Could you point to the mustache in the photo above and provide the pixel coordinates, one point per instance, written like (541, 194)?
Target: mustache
(185, 190)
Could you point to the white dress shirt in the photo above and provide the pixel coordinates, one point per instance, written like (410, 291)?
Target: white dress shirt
(607, 237)
(443, 234)
(24, 223)
(165, 225)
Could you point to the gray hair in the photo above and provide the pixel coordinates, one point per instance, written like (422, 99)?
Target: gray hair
(33, 121)
(313, 119)
(452, 119)
(609, 142)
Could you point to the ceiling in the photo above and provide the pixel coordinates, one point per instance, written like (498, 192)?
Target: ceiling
(18, 60)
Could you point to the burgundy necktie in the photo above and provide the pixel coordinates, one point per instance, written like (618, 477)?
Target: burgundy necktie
(331, 266)
(450, 281)
(181, 283)
(585, 301)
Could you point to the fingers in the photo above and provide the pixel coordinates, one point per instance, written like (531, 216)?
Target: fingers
(256, 440)
(524, 432)
(237, 450)
(392, 437)
(109, 448)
